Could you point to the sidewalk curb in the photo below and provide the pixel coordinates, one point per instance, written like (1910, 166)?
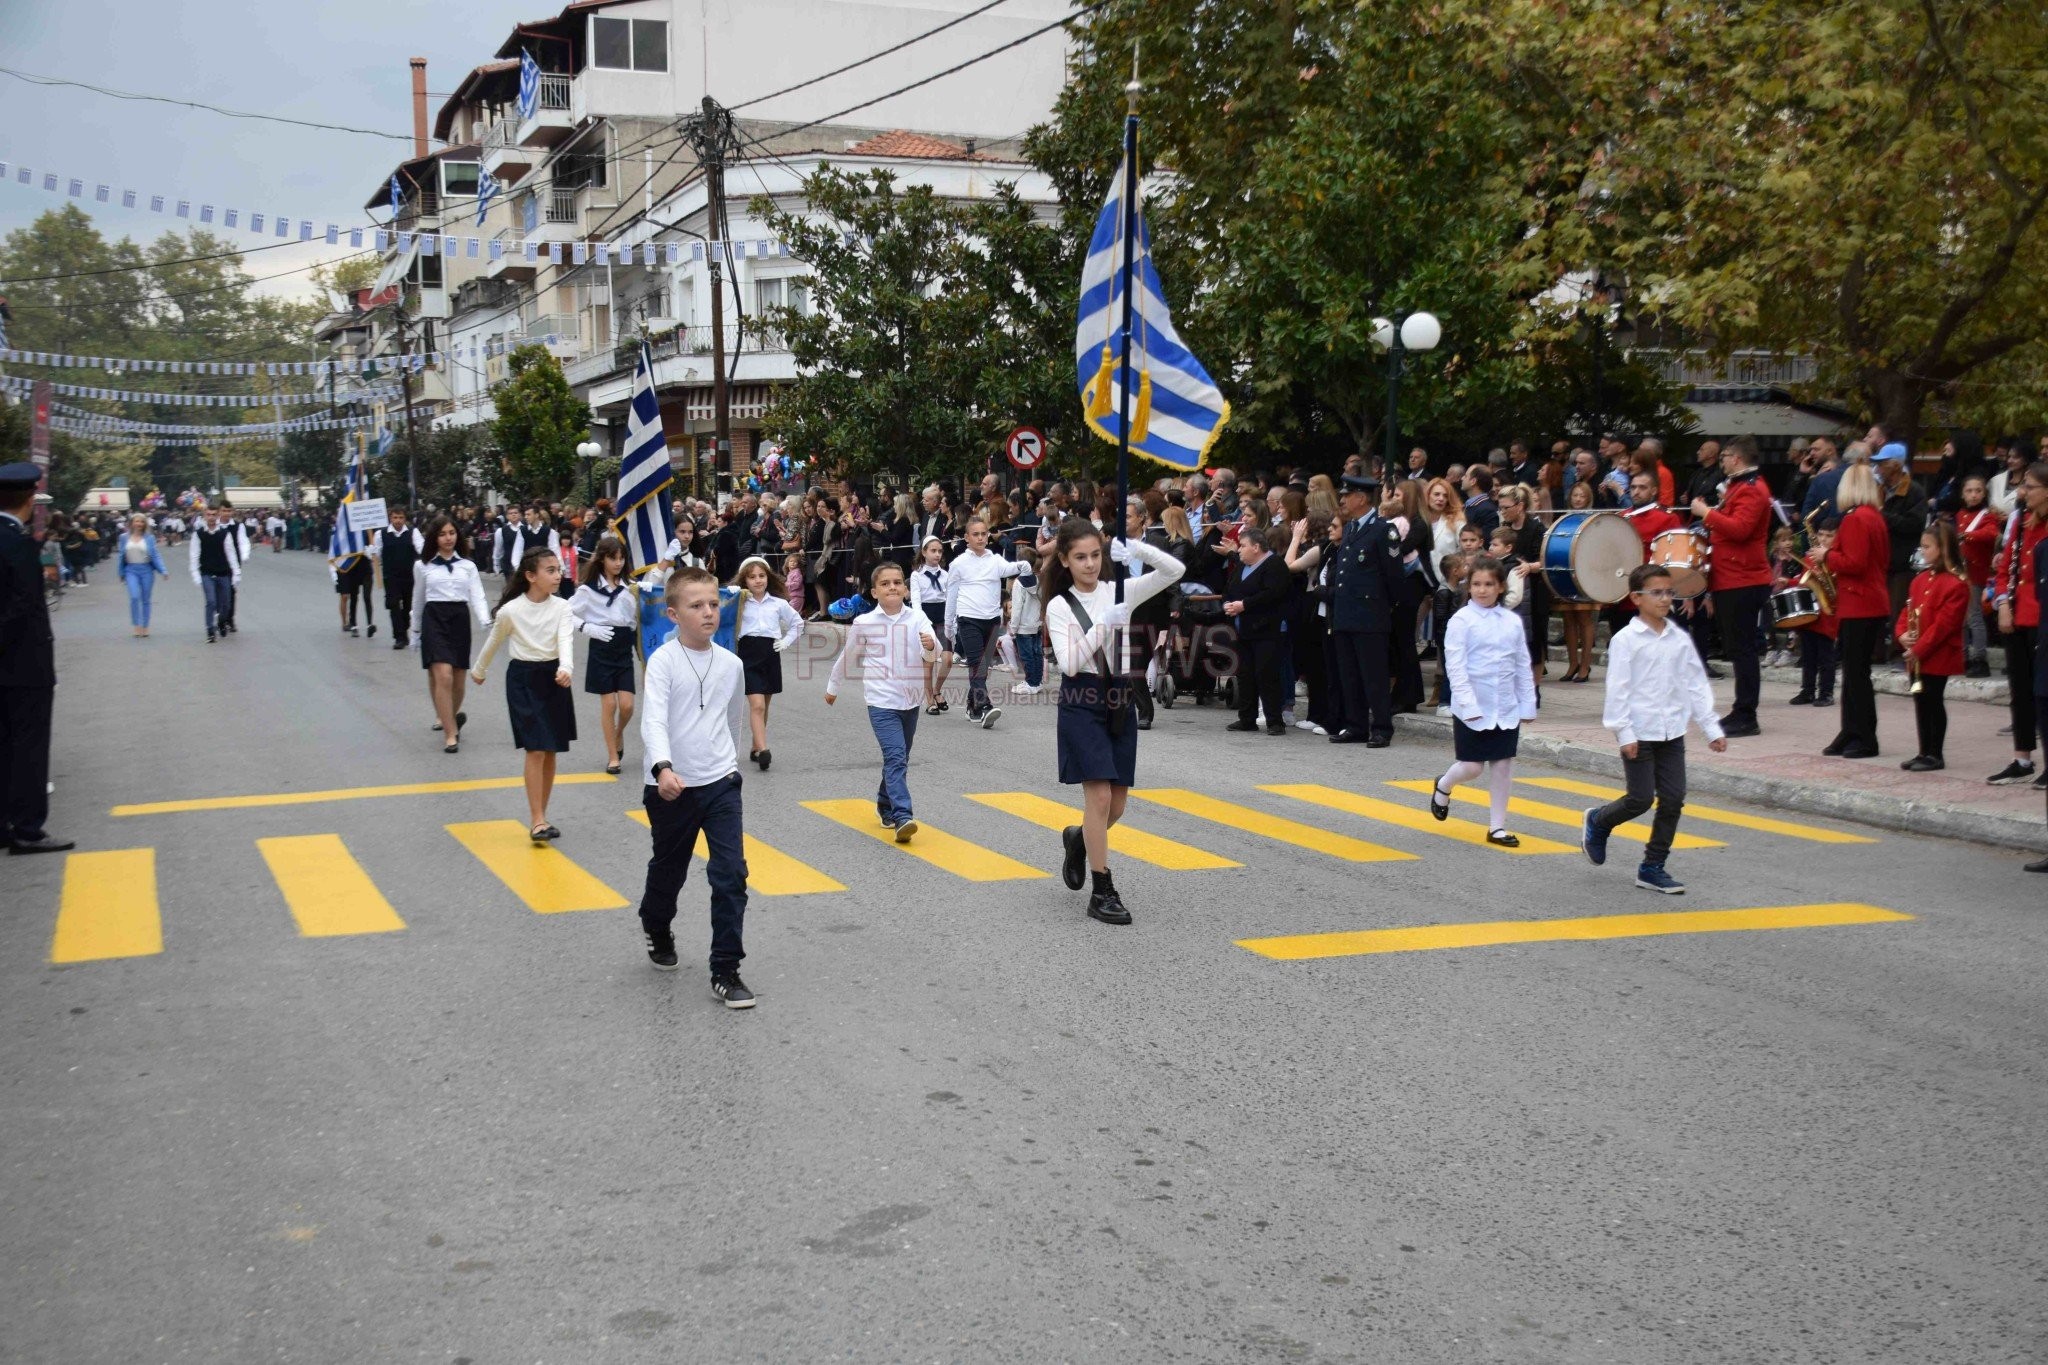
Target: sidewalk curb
(1938, 819)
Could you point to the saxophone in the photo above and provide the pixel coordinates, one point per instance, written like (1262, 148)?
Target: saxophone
(1817, 578)
(1912, 663)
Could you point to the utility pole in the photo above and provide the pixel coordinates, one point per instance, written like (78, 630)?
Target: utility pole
(711, 134)
(412, 445)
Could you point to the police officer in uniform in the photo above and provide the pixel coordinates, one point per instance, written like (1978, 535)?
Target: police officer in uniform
(1364, 585)
(28, 672)
(399, 547)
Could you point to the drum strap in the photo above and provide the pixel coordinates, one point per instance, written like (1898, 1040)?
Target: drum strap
(1119, 698)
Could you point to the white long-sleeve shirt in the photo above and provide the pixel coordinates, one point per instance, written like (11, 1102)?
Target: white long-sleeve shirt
(526, 537)
(891, 652)
(768, 616)
(1655, 685)
(538, 631)
(448, 580)
(1075, 651)
(930, 583)
(617, 607)
(1486, 658)
(975, 590)
(692, 713)
(231, 545)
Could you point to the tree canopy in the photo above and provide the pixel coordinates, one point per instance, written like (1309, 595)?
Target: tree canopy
(539, 425)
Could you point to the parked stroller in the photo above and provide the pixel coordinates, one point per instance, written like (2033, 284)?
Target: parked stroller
(1195, 627)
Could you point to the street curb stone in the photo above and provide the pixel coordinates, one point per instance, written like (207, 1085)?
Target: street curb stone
(1939, 819)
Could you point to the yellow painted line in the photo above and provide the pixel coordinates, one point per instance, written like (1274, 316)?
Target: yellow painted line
(1408, 817)
(326, 888)
(1548, 814)
(1713, 816)
(940, 849)
(547, 880)
(1357, 942)
(1131, 843)
(1271, 826)
(770, 871)
(480, 784)
(108, 907)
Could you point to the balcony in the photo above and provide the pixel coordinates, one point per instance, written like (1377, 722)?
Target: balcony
(503, 156)
(552, 119)
(561, 205)
(561, 333)
(512, 264)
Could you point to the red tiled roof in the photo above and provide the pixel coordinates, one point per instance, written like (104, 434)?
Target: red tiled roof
(472, 86)
(916, 146)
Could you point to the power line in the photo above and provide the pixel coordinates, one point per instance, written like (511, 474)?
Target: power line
(151, 265)
(918, 38)
(33, 79)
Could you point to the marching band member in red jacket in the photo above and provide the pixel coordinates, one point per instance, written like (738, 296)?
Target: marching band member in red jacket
(2019, 620)
(1739, 575)
(1859, 559)
(1931, 629)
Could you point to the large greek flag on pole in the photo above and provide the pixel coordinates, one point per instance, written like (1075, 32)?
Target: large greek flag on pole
(529, 85)
(1177, 410)
(347, 543)
(644, 521)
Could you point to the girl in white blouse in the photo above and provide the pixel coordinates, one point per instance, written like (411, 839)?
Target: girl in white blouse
(764, 626)
(1098, 728)
(542, 633)
(1493, 690)
(447, 594)
(606, 598)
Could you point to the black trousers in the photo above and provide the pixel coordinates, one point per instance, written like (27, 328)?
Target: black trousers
(1930, 715)
(1859, 698)
(1816, 663)
(1366, 702)
(2019, 684)
(25, 753)
(398, 603)
(1406, 665)
(1259, 679)
(714, 811)
(1740, 612)
(1657, 771)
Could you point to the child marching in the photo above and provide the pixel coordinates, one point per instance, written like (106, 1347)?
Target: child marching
(764, 626)
(1656, 687)
(1931, 629)
(446, 592)
(891, 644)
(606, 598)
(974, 615)
(1817, 641)
(1097, 727)
(931, 581)
(689, 733)
(1493, 690)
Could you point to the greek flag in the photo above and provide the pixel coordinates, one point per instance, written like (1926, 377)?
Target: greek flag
(644, 521)
(529, 85)
(1177, 410)
(397, 196)
(486, 190)
(346, 544)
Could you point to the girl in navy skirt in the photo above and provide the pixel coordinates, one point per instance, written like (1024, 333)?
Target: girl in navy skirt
(763, 626)
(929, 581)
(1098, 724)
(606, 598)
(543, 643)
(1493, 690)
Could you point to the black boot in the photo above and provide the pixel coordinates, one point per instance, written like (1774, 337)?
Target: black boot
(1104, 903)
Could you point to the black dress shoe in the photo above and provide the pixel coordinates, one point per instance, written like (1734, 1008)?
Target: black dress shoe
(1977, 668)
(1740, 728)
(1860, 750)
(1836, 746)
(1922, 763)
(42, 843)
(1243, 726)
(1801, 698)
(1276, 729)
(1825, 699)
(1347, 737)
(1108, 907)
(2038, 865)
(1716, 673)
(1379, 741)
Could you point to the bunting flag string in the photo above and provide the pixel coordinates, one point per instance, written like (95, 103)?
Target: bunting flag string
(268, 368)
(17, 384)
(82, 421)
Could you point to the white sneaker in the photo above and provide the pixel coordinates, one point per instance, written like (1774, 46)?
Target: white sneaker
(1306, 725)
(1443, 712)
(1317, 730)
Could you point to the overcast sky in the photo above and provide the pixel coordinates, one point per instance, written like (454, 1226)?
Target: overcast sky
(322, 61)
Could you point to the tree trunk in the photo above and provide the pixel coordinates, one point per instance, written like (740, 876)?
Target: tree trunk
(1896, 402)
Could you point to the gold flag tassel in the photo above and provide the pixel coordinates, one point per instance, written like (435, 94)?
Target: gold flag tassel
(1098, 387)
(1141, 420)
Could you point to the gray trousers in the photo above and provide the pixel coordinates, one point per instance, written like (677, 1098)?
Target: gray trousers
(1657, 772)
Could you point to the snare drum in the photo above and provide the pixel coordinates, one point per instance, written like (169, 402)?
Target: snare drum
(1587, 556)
(1794, 607)
(1686, 553)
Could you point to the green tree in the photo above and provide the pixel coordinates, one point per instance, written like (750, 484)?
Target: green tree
(539, 425)
(1863, 181)
(452, 462)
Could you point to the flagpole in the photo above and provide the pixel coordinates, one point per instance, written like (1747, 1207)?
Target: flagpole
(1123, 431)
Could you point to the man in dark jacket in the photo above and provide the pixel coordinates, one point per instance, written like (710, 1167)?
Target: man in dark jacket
(1365, 582)
(28, 672)
(1254, 599)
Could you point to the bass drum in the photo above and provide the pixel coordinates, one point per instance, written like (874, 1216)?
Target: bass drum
(1587, 557)
(1686, 553)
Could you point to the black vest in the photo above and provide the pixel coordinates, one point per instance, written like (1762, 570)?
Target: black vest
(399, 556)
(215, 559)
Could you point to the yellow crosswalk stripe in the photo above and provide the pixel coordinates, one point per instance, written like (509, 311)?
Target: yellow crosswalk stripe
(1545, 813)
(940, 849)
(1123, 840)
(546, 879)
(477, 784)
(326, 888)
(108, 907)
(1270, 826)
(1710, 814)
(770, 871)
(1407, 817)
(1358, 942)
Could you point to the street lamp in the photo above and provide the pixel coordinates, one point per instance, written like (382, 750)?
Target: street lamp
(1416, 332)
(588, 451)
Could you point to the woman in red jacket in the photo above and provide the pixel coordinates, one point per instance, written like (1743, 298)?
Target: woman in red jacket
(1931, 629)
(2019, 621)
(1859, 559)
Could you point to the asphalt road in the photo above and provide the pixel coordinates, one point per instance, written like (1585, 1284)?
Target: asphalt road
(965, 1122)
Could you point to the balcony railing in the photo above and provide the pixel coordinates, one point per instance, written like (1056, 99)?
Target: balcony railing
(502, 136)
(1751, 368)
(565, 328)
(561, 205)
(554, 91)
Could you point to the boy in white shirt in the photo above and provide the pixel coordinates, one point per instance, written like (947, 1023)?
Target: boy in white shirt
(974, 614)
(891, 643)
(695, 711)
(1656, 686)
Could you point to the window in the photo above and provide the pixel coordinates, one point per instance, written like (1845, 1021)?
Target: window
(783, 291)
(458, 179)
(426, 270)
(629, 44)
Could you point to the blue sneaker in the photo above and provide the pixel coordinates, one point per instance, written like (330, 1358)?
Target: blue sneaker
(1592, 842)
(1653, 877)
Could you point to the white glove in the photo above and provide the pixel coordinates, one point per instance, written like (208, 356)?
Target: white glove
(1120, 551)
(1115, 616)
(599, 632)
(784, 642)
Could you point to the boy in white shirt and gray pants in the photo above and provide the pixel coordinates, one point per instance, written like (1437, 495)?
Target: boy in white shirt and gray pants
(1656, 687)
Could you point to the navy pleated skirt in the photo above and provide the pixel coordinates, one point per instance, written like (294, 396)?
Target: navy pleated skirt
(543, 711)
(1088, 750)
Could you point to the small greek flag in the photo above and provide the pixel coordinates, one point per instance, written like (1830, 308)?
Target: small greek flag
(1177, 411)
(397, 196)
(486, 190)
(644, 521)
(529, 85)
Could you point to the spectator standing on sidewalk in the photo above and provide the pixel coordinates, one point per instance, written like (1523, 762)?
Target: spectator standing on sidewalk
(1977, 533)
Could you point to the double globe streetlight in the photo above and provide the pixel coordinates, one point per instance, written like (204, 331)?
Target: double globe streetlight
(588, 451)
(1416, 332)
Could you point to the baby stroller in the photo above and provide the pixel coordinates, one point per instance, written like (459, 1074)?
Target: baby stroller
(1195, 621)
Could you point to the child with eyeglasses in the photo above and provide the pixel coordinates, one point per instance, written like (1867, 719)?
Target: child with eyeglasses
(1656, 688)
